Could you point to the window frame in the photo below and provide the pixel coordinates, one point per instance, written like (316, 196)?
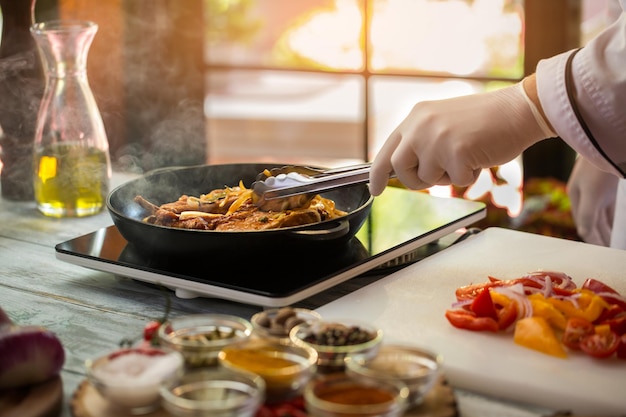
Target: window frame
(550, 28)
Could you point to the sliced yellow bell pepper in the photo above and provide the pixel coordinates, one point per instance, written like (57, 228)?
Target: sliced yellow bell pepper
(603, 329)
(588, 305)
(543, 308)
(499, 299)
(535, 333)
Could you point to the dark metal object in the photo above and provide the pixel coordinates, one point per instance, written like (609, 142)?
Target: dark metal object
(21, 87)
(168, 184)
(296, 186)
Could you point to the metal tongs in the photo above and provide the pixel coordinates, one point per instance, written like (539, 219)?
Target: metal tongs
(292, 187)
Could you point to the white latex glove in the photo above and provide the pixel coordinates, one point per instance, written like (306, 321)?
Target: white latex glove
(449, 141)
(592, 193)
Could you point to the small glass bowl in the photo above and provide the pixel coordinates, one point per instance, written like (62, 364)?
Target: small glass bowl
(130, 379)
(276, 323)
(340, 395)
(215, 392)
(200, 337)
(286, 368)
(418, 368)
(332, 351)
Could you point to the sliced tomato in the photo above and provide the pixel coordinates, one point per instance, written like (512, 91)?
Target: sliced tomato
(508, 282)
(526, 282)
(507, 316)
(614, 299)
(601, 344)
(597, 286)
(468, 320)
(607, 292)
(264, 411)
(617, 324)
(536, 280)
(621, 349)
(150, 330)
(298, 402)
(483, 305)
(575, 330)
(610, 313)
(469, 292)
(288, 410)
(559, 279)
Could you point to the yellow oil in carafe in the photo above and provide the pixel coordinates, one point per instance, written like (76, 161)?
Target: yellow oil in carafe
(71, 165)
(70, 180)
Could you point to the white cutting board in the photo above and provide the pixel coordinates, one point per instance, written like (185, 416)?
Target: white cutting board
(409, 307)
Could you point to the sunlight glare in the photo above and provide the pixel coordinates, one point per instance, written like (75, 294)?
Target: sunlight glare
(452, 36)
(505, 192)
(330, 38)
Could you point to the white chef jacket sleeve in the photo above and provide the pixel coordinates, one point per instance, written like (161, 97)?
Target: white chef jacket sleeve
(598, 90)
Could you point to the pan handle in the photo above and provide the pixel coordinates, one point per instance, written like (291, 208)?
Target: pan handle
(342, 229)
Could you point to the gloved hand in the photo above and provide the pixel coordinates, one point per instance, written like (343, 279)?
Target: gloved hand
(449, 141)
(592, 193)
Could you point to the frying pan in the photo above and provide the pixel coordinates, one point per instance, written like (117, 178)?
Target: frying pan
(168, 184)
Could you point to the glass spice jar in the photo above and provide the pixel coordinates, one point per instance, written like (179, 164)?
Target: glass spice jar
(72, 167)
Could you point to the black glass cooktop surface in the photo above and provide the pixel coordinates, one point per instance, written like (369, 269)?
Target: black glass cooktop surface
(400, 222)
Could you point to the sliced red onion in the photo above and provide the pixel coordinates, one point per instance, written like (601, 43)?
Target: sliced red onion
(561, 279)
(533, 290)
(462, 303)
(573, 298)
(547, 290)
(619, 299)
(517, 294)
(539, 280)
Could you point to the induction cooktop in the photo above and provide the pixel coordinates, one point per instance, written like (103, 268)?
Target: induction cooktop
(400, 222)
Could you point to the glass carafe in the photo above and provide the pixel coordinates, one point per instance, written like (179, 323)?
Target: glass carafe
(72, 166)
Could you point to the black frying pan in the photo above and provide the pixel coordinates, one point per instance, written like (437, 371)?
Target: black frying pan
(168, 184)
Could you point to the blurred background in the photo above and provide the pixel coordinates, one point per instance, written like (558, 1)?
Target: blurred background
(322, 82)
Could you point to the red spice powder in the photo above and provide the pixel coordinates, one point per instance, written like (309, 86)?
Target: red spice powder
(355, 394)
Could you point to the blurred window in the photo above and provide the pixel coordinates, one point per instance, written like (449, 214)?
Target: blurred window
(327, 80)
(316, 81)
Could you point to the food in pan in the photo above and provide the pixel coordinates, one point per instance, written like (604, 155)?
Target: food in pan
(231, 209)
(546, 311)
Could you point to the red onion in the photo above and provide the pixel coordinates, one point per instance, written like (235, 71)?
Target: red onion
(517, 294)
(462, 303)
(573, 298)
(5, 322)
(28, 354)
(613, 298)
(559, 279)
(547, 291)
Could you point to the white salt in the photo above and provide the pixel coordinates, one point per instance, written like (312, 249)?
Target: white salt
(133, 379)
(137, 368)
